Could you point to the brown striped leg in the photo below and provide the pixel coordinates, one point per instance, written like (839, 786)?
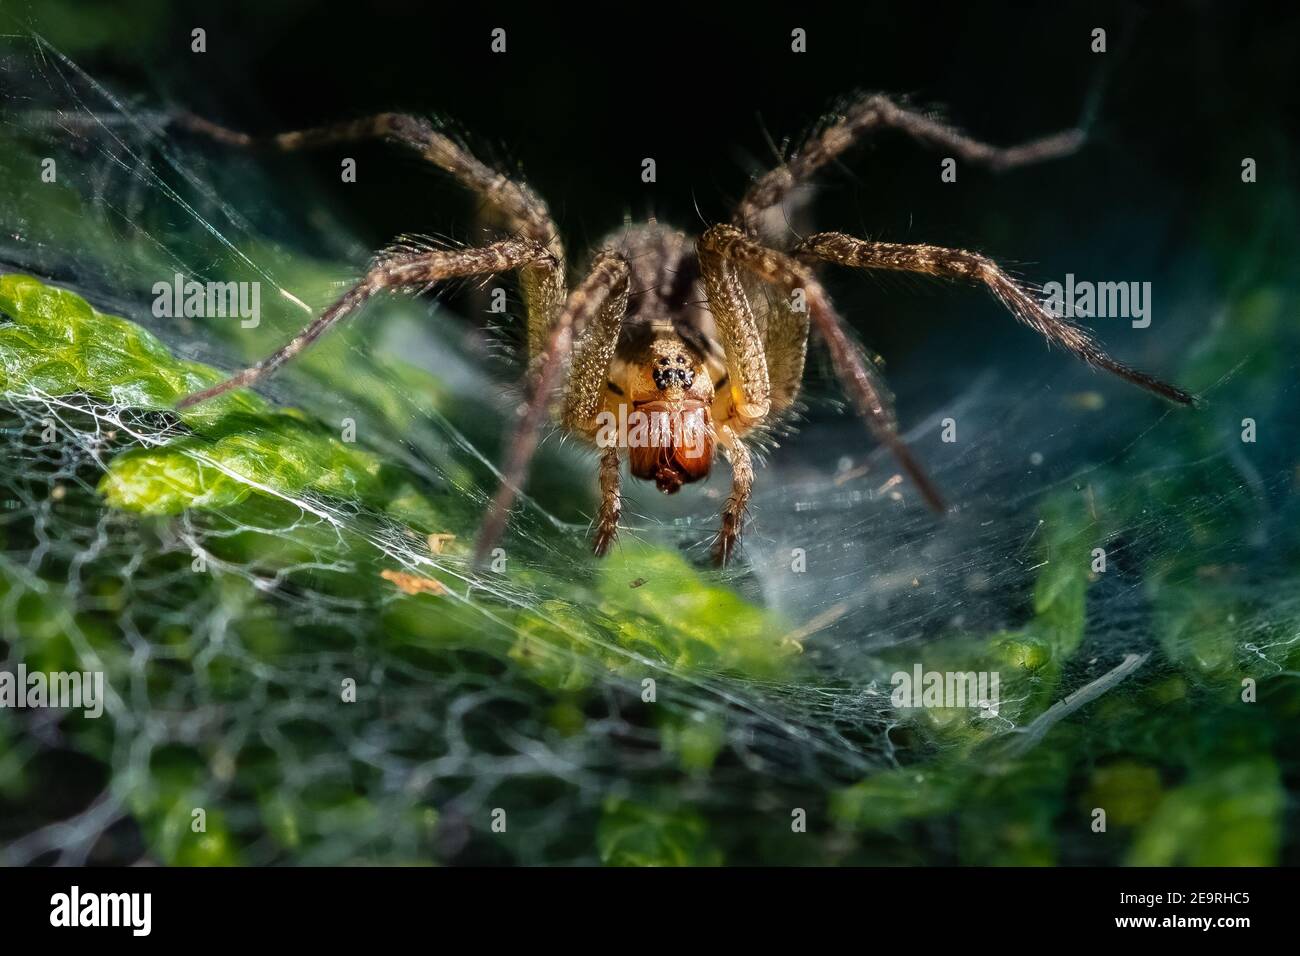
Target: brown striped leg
(741, 341)
(391, 273)
(869, 396)
(877, 112)
(742, 483)
(605, 284)
(785, 345)
(593, 349)
(588, 372)
(971, 266)
(509, 205)
(611, 506)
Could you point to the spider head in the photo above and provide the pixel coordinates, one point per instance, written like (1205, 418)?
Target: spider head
(670, 435)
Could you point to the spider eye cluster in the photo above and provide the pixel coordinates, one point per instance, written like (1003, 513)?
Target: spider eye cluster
(673, 371)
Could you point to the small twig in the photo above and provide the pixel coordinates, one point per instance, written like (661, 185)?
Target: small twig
(1034, 732)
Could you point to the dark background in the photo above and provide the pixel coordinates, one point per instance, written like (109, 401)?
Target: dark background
(584, 94)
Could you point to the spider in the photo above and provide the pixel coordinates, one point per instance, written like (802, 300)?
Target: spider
(703, 339)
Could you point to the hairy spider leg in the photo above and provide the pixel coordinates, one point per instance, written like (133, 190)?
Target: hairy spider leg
(389, 273)
(868, 394)
(602, 297)
(510, 205)
(876, 112)
(747, 373)
(742, 485)
(945, 263)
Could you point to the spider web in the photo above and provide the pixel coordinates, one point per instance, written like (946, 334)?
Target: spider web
(524, 691)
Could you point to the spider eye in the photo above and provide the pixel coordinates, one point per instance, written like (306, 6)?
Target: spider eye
(678, 375)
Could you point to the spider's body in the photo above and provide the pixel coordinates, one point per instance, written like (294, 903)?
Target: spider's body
(670, 346)
(669, 369)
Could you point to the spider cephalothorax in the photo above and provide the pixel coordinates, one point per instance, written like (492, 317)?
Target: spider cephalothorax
(671, 346)
(669, 426)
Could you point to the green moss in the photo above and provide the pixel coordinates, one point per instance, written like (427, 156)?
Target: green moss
(633, 834)
(13, 756)
(695, 740)
(1228, 815)
(180, 810)
(1127, 790)
(674, 620)
(58, 345)
(274, 454)
(885, 799)
(685, 620)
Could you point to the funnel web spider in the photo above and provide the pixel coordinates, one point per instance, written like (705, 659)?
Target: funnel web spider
(676, 338)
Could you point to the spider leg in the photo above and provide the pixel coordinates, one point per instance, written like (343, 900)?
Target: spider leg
(971, 266)
(611, 507)
(510, 205)
(751, 388)
(742, 483)
(868, 394)
(593, 350)
(785, 343)
(390, 273)
(753, 398)
(601, 294)
(588, 372)
(877, 112)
